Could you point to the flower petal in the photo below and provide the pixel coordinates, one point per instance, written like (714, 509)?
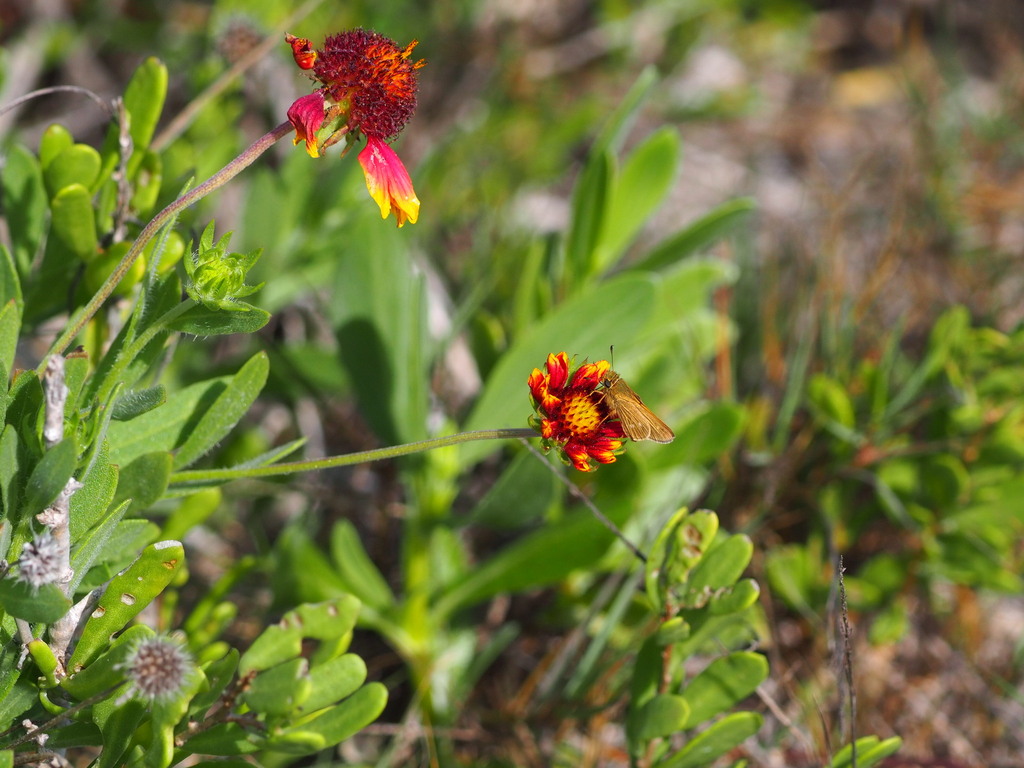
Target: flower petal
(388, 182)
(302, 51)
(558, 370)
(307, 115)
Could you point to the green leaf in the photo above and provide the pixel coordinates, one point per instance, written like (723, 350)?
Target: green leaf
(794, 573)
(9, 471)
(326, 620)
(26, 207)
(55, 139)
(870, 751)
(725, 682)
(355, 568)
(614, 131)
(337, 723)
(945, 482)
(709, 434)
(219, 675)
(77, 164)
(128, 537)
(830, 402)
(302, 571)
(125, 596)
(76, 370)
(144, 99)
(225, 411)
(92, 501)
(720, 566)
(379, 315)
(10, 283)
(148, 180)
(134, 403)
(10, 329)
(280, 690)
(44, 604)
(643, 685)
(144, 480)
(275, 645)
(734, 599)
(706, 746)
(75, 735)
(49, 476)
(72, 221)
(282, 642)
(117, 720)
(45, 661)
(583, 326)
(193, 511)
(523, 493)
(698, 235)
(639, 190)
(228, 739)
(332, 681)
(170, 425)
(663, 715)
(165, 427)
(108, 670)
(201, 320)
(16, 696)
(542, 558)
(589, 205)
(92, 544)
(677, 549)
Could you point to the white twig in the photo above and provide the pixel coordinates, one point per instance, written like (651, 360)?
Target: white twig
(55, 392)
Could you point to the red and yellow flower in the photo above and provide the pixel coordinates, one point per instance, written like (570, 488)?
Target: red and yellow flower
(367, 88)
(571, 413)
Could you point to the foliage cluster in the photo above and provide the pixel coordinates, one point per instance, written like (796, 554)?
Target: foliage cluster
(919, 450)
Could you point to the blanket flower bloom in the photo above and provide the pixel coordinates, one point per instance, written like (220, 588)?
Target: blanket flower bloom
(367, 88)
(571, 414)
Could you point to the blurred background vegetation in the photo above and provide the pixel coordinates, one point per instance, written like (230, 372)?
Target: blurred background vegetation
(851, 384)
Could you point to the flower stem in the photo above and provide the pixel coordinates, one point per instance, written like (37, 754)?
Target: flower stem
(225, 174)
(348, 459)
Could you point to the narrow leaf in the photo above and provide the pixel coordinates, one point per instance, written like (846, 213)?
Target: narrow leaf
(26, 206)
(44, 604)
(641, 187)
(724, 735)
(225, 411)
(125, 596)
(355, 568)
(200, 320)
(49, 476)
(698, 235)
(663, 715)
(723, 684)
(72, 221)
(344, 720)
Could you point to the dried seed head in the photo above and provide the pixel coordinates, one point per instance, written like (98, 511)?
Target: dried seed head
(159, 668)
(40, 561)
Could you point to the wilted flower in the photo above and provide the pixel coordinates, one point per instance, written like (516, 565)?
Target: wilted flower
(571, 413)
(367, 88)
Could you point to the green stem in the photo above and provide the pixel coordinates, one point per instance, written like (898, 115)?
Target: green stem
(225, 174)
(362, 457)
